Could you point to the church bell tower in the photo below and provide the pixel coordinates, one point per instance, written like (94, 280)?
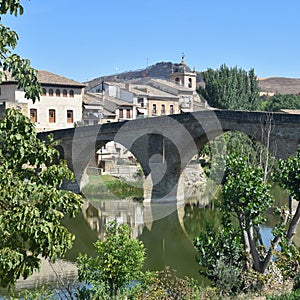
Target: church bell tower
(183, 75)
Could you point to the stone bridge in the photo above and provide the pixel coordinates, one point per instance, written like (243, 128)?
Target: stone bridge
(165, 145)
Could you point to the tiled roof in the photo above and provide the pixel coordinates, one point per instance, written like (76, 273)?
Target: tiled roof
(151, 92)
(116, 101)
(47, 78)
(93, 98)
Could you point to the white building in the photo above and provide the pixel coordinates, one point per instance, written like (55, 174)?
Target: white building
(60, 104)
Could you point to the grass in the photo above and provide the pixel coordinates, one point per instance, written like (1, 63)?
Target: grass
(101, 185)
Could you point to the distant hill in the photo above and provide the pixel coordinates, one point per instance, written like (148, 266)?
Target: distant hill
(163, 70)
(280, 85)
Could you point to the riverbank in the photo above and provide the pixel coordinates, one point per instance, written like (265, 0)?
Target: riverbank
(104, 186)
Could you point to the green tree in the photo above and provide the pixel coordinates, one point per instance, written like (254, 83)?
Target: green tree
(245, 201)
(32, 203)
(213, 155)
(231, 88)
(119, 261)
(278, 102)
(12, 64)
(288, 177)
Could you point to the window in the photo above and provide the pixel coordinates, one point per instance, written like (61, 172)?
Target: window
(70, 116)
(65, 93)
(190, 82)
(177, 80)
(71, 93)
(171, 109)
(51, 115)
(163, 109)
(57, 93)
(33, 115)
(154, 110)
(44, 92)
(141, 101)
(50, 93)
(120, 113)
(127, 113)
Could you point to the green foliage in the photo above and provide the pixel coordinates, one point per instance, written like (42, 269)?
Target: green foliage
(245, 201)
(288, 262)
(214, 153)
(40, 293)
(119, 262)
(294, 295)
(296, 285)
(278, 102)
(17, 67)
(231, 88)
(287, 175)
(221, 258)
(31, 201)
(120, 188)
(244, 192)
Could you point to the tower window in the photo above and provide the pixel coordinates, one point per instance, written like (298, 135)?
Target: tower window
(190, 82)
(50, 92)
(57, 93)
(177, 80)
(71, 93)
(163, 109)
(43, 92)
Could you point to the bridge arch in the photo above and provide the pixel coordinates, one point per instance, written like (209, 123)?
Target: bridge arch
(176, 137)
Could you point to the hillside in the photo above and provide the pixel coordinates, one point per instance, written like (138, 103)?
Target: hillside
(162, 70)
(280, 85)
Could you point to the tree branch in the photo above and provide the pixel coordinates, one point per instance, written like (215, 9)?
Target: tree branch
(293, 225)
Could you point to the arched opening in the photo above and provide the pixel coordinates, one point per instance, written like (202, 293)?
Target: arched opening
(113, 173)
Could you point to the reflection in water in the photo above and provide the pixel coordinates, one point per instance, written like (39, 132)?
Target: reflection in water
(99, 213)
(167, 231)
(160, 227)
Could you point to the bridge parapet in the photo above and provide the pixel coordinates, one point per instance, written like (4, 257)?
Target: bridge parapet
(164, 145)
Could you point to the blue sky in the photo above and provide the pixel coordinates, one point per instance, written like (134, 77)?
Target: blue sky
(82, 40)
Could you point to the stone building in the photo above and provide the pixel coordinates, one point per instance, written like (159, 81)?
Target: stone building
(60, 104)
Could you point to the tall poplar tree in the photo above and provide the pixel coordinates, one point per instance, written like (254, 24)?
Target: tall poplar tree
(230, 88)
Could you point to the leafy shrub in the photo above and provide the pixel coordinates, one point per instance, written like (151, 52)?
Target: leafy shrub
(294, 295)
(221, 259)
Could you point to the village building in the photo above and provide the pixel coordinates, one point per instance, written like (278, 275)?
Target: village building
(60, 104)
(157, 97)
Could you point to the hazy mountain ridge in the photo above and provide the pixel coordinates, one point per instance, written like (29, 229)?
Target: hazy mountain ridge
(162, 70)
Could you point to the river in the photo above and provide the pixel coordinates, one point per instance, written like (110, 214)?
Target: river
(167, 231)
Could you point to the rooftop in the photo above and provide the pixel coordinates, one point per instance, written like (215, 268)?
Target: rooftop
(151, 91)
(47, 78)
